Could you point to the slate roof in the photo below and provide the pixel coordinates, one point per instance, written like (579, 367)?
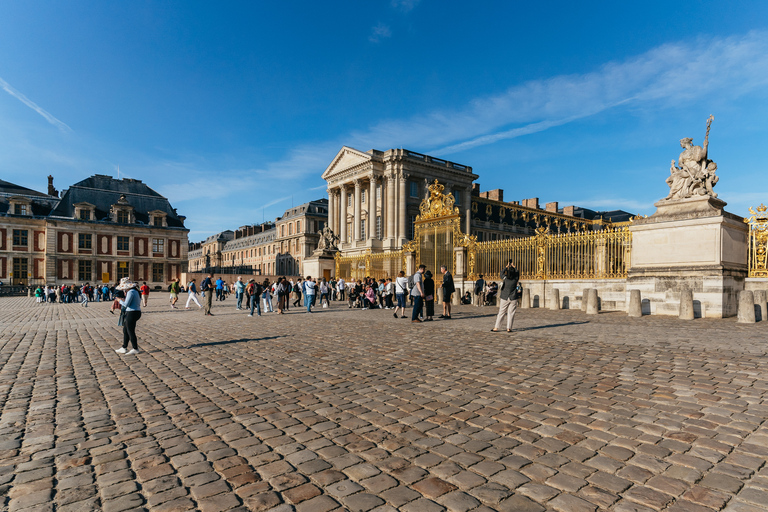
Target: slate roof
(316, 207)
(41, 204)
(103, 191)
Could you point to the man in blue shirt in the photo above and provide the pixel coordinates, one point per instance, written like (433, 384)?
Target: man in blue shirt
(219, 289)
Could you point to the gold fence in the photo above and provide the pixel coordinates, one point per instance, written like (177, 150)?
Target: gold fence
(603, 254)
(758, 242)
(379, 266)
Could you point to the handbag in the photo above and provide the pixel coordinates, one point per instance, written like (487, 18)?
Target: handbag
(121, 318)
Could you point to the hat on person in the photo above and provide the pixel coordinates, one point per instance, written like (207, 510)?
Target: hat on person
(125, 284)
(428, 273)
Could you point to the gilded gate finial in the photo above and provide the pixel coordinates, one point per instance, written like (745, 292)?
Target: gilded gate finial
(437, 204)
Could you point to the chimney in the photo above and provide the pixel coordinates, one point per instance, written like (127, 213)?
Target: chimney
(515, 203)
(551, 207)
(568, 210)
(52, 191)
(496, 195)
(531, 203)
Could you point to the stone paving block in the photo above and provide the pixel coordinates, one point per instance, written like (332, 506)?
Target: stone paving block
(318, 504)
(398, 496)
(422, 505)
(519, 503)
(301, 493)
(570, 503)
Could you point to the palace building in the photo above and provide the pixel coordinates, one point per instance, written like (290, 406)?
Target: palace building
(374, 199)
(100, 230)
(272, 248)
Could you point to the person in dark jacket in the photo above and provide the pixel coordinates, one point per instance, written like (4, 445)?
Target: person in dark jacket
(508, 296)
(429, 296)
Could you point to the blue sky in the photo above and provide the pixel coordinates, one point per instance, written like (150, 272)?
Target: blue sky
(234, 109)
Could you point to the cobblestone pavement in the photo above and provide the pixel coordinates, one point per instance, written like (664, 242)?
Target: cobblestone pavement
(355, 410)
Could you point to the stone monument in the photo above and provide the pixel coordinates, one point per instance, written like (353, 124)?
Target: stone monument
(322, 263)
(691, 242)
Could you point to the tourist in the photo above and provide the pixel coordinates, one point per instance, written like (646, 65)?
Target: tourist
(417, 293)
(480, 291)
(253, 291)
(341, 286)
(192, 294)
(208, 286)
(297, 292)
(144, 294)
(325, 292)
(309, 293)
(401, 288)
(266, 296)
(175, 289)
(429, 296)
(380, 289)
(282, 289)
(467, 299)
(219, 288)
(490, 293)
(448, 289)
(508, 296)
(132, 305)
(369, 298)
(389, 292)
(334, 291)
(84, 296)
(39, 295)
(239, 292)
(105, 292)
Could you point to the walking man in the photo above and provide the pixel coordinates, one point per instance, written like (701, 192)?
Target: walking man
(192, 294)
(175, 290)
(480, 291)
(417, 292)
(144, 294)
(448, 289)
(508, 296)
(207, 286)
(239, 289)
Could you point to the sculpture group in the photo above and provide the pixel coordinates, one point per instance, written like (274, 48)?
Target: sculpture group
(695, 175)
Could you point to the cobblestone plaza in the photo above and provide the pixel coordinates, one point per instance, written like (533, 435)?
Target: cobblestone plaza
(354, 410)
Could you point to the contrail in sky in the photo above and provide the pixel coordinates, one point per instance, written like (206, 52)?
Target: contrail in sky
(34, 106)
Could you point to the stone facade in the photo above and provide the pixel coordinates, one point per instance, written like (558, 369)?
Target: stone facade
(101, 229)
(274, 248)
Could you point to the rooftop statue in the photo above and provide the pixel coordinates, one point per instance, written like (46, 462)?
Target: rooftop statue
(694, 174)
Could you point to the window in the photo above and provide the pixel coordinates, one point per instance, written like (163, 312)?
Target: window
(85, 214)
(320, 225)
(20, 237)
(290, 229)
(157, 272)
(378, 227)
(158, 245)
(298, 226)
(457, 197)
(349, 201)
(362, 229)
(84, 241)
(20, 270)
(411, 226)
(20, 209)
(84, 270)
(414, 189)
(122, 217)
(123, 243)
(362, 196)
(157, 221)
(122, 269)
(378, 192)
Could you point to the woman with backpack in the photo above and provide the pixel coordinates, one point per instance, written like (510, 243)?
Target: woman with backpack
(401, 289)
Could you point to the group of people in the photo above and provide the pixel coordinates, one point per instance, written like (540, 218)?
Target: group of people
(367, 294)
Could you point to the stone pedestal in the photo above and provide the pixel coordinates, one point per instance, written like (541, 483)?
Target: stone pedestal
(689, 243)
(320, 264)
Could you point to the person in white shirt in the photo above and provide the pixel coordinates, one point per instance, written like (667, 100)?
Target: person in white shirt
(342, 290)
(401, 289)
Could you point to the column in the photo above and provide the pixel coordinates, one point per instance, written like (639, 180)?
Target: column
(402, 210)
(356, 220)
(467, 205)
(331, 211)
(372, 209)
(343, 211)
(391, 211)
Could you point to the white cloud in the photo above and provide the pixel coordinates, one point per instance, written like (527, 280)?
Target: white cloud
(405, 5)
(379, 32)
(34, 106)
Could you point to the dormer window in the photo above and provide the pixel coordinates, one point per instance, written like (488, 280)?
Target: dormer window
(158, 219)
(85, 211)
(20, 209)
(122, 217)
(19, 205)
(85, 214)
(157, 222)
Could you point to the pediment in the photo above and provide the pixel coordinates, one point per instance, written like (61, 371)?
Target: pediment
(345, 159)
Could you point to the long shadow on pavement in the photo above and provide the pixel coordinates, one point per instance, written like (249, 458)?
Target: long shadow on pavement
(226, 342)
(548, 326)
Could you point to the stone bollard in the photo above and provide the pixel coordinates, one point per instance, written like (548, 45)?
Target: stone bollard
(760, 300)
(635, 304)
(592, 306)
(584, 297)
(526, 299)
(686, 304)
(746, 307)
(554, 304)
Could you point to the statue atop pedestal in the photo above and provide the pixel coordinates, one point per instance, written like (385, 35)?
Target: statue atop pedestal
(694, 174)
(328, 244)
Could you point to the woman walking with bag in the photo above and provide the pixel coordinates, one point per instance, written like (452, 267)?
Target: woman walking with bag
(132, 306)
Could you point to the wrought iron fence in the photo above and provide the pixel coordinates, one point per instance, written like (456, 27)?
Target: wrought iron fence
(758, 242)
(603, 254)
(379, 265)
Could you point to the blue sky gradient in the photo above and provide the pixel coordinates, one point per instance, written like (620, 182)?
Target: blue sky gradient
(234, 109)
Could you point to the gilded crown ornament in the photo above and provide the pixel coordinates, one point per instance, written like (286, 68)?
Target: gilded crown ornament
(437, 204)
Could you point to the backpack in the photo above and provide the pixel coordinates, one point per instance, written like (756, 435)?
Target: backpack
(411, 282)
